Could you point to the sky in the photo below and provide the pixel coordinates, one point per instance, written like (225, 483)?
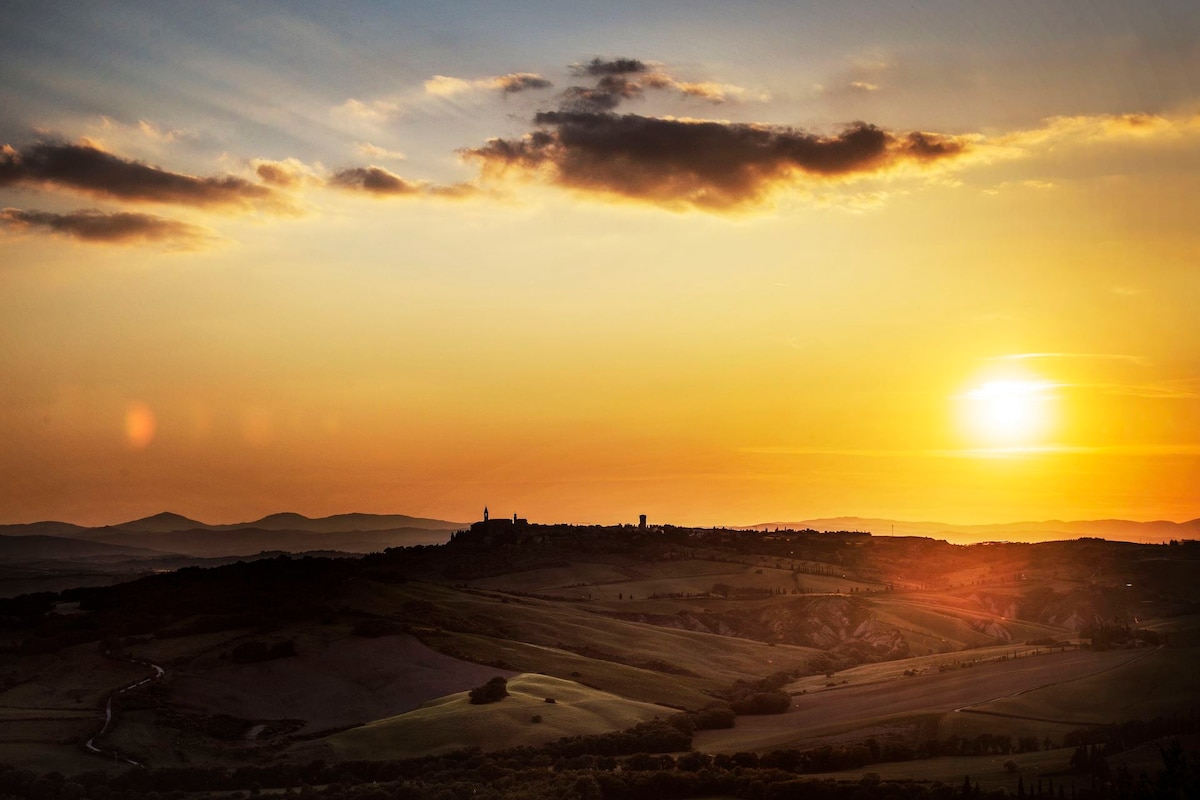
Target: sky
(714, 263)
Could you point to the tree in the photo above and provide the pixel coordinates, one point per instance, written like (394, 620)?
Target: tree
(492, 691)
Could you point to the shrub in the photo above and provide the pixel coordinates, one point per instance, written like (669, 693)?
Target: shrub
(713, 718)
(763, 703)
(492, 691)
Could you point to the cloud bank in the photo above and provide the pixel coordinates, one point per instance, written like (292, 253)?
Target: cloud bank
(710, 165)
(679, 163)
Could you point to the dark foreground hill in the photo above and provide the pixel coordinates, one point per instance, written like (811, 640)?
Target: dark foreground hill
(799, 639)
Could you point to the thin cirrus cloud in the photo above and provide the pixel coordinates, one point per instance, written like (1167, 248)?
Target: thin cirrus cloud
(511, 83)
(121, 227)
(375, 151)
(679, 163)
(90, 170)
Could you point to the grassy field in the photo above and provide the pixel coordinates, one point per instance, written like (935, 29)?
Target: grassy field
(894, 670)
(620, 580)
(453, 722)
(867, 705)
(56, 703)
(1156, 682)
(637, 684)
(75, 679)
(943, 623)
(344, 681)
(711, 658)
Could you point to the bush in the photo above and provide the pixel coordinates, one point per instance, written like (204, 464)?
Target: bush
(763, 703)
(714, 718)
(494, 690)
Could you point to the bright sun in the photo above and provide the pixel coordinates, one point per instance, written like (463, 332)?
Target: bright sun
(1009, 412)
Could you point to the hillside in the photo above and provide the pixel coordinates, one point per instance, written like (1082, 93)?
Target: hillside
(276, 655)
(1154, 532)
(39, 548)
(524, 718)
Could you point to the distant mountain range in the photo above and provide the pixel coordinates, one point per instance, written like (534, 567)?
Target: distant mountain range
(176, 534)
(167, 522)
(173, 534)
(1116, 529)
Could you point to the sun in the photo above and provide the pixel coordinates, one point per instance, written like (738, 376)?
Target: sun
(1009, 413)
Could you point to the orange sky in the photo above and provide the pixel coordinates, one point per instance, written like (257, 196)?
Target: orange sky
(693, 287)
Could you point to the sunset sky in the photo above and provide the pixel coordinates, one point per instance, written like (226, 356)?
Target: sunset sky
(716, 263)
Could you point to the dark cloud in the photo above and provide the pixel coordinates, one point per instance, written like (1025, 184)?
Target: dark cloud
(606, 95)
(374, 180)
(98, 226)
(617, 66)
(89, 169)
(613, 87)
(520, 82)
(713, 165)
(623, 79)
(381, 183)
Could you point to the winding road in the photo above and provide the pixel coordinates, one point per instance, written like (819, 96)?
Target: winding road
(91, 743)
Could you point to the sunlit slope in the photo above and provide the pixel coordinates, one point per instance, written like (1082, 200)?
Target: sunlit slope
(940, 623)
(704, 661)
(452, 722)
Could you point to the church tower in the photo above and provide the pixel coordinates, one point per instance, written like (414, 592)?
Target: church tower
(485, 514)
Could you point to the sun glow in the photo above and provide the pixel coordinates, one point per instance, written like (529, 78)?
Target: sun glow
(1009, 412)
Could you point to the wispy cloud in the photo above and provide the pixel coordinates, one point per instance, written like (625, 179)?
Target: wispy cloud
(375, 151)
(1023, 451)
(108, 228)
(511, 83)
(369, 110)
(1086, 356)
(1080, 132)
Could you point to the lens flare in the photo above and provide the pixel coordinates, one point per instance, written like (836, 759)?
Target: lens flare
(140, 425)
